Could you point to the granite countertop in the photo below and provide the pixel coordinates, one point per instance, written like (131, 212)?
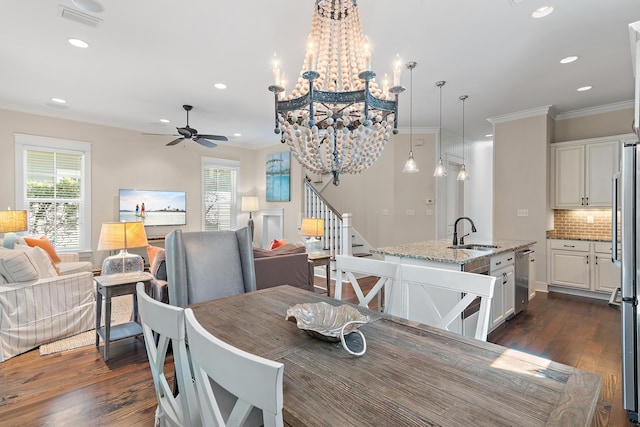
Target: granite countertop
(439, 251)
(551, 234)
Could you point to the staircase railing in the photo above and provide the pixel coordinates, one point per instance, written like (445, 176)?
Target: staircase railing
(315, 206)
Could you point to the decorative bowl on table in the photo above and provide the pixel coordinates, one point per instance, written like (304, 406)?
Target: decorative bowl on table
(329, 323)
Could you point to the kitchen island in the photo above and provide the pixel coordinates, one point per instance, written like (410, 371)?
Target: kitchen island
(442, 254)
(496, 258)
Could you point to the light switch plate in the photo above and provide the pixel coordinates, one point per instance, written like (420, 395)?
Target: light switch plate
(523, 212)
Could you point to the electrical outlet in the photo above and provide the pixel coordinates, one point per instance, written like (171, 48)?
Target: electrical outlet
(589, 219)
(385, 212)
(523, 212)
(411, 212)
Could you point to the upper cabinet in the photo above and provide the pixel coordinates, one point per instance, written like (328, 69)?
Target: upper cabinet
(582, 171)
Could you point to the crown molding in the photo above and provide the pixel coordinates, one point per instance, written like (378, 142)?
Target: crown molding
(616, 106)
(533, 112)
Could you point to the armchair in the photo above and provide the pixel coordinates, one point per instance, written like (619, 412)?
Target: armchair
(206, 265)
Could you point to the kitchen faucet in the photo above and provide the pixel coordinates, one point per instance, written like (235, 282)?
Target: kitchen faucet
(455, 230)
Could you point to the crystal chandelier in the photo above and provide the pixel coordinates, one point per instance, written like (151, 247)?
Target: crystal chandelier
(337, 119)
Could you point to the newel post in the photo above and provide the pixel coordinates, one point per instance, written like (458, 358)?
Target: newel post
(347, 232)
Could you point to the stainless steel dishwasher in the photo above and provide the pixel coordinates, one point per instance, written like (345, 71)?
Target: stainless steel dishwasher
(524, 266)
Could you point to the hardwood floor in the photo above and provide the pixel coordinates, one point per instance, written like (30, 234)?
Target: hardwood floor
(576, 331)
(78, 388)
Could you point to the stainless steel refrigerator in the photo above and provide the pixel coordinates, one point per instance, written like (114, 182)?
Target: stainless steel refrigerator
(626, 218)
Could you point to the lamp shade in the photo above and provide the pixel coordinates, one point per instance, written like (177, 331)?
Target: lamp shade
(313, 227)
(12, 221)
(122, 235)
(249, 204)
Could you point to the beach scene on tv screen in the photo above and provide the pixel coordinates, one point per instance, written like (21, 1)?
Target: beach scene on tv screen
(153, 207)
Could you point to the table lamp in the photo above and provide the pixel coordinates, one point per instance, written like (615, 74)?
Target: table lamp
(121, 236)
(249, 204)
(313, 228)
(10, 222)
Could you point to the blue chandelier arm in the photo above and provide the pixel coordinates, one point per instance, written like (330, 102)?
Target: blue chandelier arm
(339, 98)
(276, 92)
(397, 90)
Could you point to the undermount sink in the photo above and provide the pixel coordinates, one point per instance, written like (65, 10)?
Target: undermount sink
(474, 247)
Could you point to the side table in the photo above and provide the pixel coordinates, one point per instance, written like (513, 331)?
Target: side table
(113, 285)
(319, 260)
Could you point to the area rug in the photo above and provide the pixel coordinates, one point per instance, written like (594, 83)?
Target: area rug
(120, 313)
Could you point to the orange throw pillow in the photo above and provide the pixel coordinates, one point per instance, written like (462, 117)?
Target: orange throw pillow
(277, 243)
(152, 251)
(45, 244)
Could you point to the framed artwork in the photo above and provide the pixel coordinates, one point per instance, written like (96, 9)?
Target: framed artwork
(278, 177)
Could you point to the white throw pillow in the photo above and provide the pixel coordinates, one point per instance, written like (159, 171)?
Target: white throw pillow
(40, 258)
(16, 266)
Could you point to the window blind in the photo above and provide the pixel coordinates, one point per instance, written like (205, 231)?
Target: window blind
(53, 195)
(219, 198)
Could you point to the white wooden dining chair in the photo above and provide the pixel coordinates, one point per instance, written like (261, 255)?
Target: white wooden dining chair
(351, 266)
(161, 324)
(254, 380)
(435, 296)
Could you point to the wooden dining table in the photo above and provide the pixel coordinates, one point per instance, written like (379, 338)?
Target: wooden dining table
(410, 375)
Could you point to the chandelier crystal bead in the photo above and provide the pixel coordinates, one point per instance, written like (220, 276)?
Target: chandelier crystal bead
(336, 119)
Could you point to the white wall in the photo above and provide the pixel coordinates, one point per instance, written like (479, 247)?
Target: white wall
(382, 198)
(479, 192)
(127, 159)
(520, 182)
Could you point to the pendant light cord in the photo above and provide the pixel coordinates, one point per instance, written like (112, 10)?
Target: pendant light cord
(411, 114)
(463, 98)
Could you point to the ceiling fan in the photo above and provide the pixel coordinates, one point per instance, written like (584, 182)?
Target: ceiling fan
(188, 132)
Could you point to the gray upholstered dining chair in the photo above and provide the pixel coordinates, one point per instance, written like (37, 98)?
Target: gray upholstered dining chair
(206, 265)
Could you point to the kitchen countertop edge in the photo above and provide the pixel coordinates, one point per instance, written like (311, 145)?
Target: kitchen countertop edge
(437, 251)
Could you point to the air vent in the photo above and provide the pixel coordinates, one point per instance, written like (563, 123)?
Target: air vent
(77, 16)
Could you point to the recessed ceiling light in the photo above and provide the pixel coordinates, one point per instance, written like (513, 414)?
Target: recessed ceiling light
(489, 135)
(542, 12)
(237, 134)
(78, 43)
(220, 86)
(165, 120)
(584, 88)
(568, 59)
(59, 100)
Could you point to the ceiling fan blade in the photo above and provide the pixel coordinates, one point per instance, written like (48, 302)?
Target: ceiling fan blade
(205, 142)
(214, 137)
(176, 141)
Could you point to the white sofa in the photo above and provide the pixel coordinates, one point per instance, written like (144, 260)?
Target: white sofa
(46, 308)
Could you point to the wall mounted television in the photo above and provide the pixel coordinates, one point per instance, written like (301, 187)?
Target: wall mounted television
(153, 207)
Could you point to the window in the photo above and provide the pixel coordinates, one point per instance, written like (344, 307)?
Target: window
(219, 183)
(53, 185)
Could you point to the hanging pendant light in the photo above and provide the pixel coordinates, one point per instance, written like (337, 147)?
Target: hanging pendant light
(463, 175)
(440, 169)
(410, 166)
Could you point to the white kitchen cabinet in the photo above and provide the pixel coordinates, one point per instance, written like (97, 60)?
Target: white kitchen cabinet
(583, 265)
(607, 276)
(582, 172)
(503, 302)
(570, 263)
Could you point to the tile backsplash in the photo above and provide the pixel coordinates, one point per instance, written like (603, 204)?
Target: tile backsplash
(577, 224)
